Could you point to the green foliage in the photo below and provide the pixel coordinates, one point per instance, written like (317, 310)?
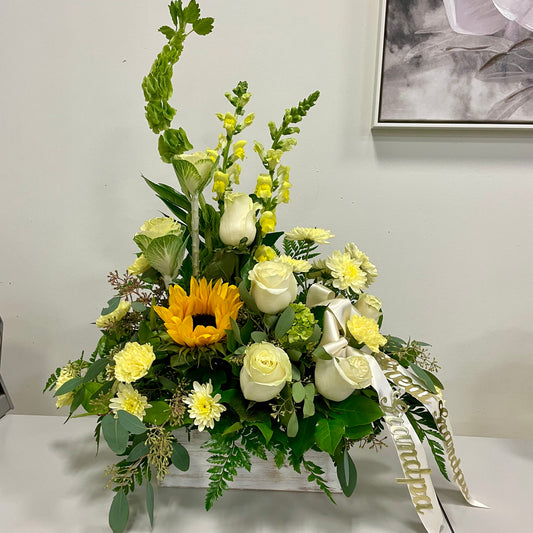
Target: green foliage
(426, 428)
(226, 457)
(346, 472)
(119, 512)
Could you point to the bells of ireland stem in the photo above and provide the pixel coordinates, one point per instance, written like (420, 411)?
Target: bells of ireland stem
(194, 172)
(238, 221)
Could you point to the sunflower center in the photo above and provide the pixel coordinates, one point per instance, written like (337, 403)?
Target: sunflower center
(204, 320)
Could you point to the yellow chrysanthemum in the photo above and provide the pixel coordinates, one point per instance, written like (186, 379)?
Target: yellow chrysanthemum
(203, 407)
(133, 361)
(297, 265)
(346, 272)
(202, 317)
(130, 400)
(370, 270)
(318, 235)
(366, 331)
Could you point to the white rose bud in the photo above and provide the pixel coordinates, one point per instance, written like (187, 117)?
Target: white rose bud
(337, 378)
(273, 286)
(238, 220)
(266, 369)
(369, 306)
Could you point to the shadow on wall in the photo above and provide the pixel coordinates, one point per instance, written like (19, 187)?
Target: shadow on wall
(502, 364)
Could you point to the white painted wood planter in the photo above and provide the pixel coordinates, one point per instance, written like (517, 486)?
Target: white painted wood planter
(264, 475)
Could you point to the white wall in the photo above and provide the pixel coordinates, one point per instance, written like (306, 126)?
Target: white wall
(446, 217)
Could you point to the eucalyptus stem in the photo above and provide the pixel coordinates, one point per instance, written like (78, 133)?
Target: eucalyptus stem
(195, 235)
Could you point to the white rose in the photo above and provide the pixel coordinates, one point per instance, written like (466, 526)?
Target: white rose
(238, 220)
(266, 369)
(273, 286)
(337, 378)
(369, 306)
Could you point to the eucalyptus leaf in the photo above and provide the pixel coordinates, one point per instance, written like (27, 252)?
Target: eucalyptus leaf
(259, 336)
(139, 307)
(119, 512)
(138, 451)
(292, 426)
(69, 386)
(131, 423)
(115, 435)
(424, 377)
(284, 322)
(95, 369)
(158, 414)
(298, 392)
(309, 407)
(150, 502)
(112, 304)
(180, 457)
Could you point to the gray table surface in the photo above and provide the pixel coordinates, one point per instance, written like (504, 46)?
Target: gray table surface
(51, 481)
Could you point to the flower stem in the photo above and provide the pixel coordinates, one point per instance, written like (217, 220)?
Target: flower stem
(195, 235)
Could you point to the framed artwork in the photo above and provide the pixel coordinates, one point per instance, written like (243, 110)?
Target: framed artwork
(5, 402)
(455, 64)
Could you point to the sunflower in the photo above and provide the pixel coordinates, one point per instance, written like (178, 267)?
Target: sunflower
(202, 317)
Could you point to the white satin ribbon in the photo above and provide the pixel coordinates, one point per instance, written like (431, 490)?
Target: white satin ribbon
(408, 446)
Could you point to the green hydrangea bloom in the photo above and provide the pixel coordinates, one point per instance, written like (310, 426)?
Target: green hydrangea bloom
(303, 326)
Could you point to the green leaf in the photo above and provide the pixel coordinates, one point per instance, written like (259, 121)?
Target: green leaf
(131, 423)
(358, 432)
(77, 400)
(142, 241)
(356, 410)
(346, 472)
(167, 383)
(119, 512)
(158, 414)
(298, 392)
(192, 12)
(180, 457)
(265, 429)
(115, 435)
(139, 307)
(203, 26)
(236, 330)
(309, 407)
(435, 379)
(246, 297)
(306, 437)
(320, 353)
(232, 429)
(424, 376)
(150, 502)
(167, 31)
(259, 336)
(95, 369)
(69, 386)
(328, 434)
(270, 238)
(284, 322)
(145, 332)
(112, 304)
(138, 451)
(292, 426)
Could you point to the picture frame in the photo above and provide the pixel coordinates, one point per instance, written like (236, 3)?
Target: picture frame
(429, 75)
(5, 402)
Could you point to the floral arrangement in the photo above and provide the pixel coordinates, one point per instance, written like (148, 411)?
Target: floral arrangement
(225, 325)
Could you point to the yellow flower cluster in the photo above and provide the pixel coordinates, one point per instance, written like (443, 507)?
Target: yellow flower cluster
(366, 331)
(263, 189)
(318, 235)
(66, 374)
(105, 321)
(346, 272)
(130, 400)
(133, 361)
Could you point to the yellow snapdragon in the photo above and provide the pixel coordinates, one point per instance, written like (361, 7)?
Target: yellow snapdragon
(238, 149)
(267, 222)
(264, 253)
(263, 189)
(220, 183)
